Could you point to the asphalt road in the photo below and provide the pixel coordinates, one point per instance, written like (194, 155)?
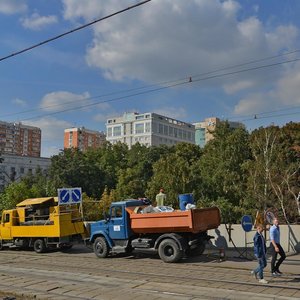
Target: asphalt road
(79, 274)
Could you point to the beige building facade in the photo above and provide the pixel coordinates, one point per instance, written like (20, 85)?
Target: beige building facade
(149, 129)
(204, 130)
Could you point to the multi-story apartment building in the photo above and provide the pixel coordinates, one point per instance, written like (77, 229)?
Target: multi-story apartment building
(205, 129)
(14, 167)
(83, 138)
(149, 129)
(20, 139)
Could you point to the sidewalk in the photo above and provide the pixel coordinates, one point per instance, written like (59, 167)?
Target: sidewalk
(291, 265)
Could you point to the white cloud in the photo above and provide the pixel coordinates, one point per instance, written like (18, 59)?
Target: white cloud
(288, 86)
(234, 87)
(169, 39)
(52, 128)
(52, 133)
(10, 7)
(19, 102)
(252, 104)
(285, 92)
(178, 113)
(102, 117)
(61, 100)
(37, 22)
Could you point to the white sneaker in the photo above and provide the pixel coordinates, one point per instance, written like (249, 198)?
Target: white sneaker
(263, 281)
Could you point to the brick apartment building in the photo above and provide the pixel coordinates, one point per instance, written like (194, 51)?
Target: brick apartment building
(20, 139)
(83, 138)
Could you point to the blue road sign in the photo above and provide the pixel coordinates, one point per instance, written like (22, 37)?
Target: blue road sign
(247, 223)
(76, 195)
(63, 196)
(69, 196)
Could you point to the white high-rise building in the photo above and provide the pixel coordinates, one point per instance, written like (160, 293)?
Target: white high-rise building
(149, 129)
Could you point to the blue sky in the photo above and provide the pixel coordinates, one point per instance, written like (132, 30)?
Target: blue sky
(161, 41)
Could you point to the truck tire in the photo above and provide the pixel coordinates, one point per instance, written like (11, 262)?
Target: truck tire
(100, 247)
(1, 245)
(169, 251)
(39, 246)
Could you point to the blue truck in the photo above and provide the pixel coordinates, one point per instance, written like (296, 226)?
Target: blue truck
(171, 235)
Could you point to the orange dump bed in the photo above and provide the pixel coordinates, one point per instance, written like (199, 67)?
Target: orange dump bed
(195, 220)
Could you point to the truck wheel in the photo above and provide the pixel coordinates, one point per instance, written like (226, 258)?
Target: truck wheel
(100, 247)
(169, 251)
(1, 245)
(39, 246)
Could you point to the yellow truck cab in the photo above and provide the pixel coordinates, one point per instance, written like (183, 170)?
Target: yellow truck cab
(41, 223)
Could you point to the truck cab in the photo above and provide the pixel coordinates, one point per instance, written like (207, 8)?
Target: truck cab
(6, 224)
(114, 230)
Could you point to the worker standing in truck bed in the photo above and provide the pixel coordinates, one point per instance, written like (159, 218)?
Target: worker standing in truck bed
(160, 198)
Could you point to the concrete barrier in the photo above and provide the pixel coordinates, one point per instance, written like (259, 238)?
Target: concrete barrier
(289, 236)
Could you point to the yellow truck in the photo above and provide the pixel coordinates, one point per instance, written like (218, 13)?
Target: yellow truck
(42, 224)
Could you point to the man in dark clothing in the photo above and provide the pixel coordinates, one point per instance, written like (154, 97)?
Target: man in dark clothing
(276, 248)
(260, 251)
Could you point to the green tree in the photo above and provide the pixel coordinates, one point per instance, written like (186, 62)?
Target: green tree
(73, 168)
(31, 186)
(273, 174)
(175, 172)
(133, 180)
(221, 165)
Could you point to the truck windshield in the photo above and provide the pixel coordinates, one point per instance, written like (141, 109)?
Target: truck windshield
(116, 212)
(6, 219)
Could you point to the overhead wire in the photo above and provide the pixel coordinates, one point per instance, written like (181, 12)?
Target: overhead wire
(190, 81)
(154, 85)
(72, 30)
(170, 84)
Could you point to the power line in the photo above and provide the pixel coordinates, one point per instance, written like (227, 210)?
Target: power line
(271, 116)
(73, 30)
(261, 113)
(157, 84)
(189, 81)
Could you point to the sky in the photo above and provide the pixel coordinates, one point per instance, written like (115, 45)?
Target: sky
(189, 60)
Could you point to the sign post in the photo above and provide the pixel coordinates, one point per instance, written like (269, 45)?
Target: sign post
(247, 226)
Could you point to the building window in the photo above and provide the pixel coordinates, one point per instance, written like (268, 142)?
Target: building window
(22, 170)
(141, 117)
(160, 128)
(154, 127)
(139, 128)
(117, 131)
(189, 136)
(171, 131)
(165, 130)
(184, 134)
(109, 132)
(175, 132)
(180, 133)
(148, 127)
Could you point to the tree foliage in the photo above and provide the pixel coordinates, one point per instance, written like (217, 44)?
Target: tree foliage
(238, 171)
